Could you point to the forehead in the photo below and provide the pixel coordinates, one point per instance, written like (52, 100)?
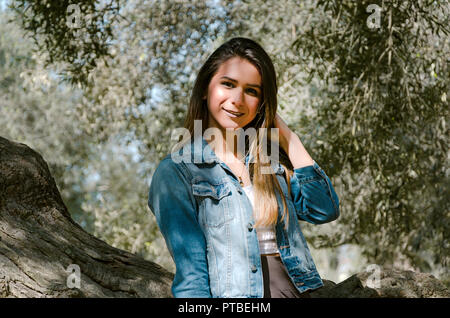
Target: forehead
(240, 70)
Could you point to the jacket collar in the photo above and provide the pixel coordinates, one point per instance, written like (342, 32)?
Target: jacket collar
(202, 153)
(198, 151)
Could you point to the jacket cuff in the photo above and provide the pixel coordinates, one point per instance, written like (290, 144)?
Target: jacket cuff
(309, 173)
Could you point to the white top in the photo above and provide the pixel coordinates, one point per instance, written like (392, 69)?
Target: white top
(249, 191)
(267, 236)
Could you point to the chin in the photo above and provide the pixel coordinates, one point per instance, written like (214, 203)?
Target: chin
(241, 122)
(228, 125)
(226, 122)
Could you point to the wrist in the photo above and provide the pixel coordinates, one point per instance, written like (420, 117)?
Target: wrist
(297, 153)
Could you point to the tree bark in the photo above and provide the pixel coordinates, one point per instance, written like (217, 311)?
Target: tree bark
(42, 248)
(385, 283)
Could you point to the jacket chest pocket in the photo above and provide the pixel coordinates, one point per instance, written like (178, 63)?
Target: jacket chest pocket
(214, 203)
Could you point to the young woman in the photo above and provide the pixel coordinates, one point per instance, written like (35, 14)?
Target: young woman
(232, 227)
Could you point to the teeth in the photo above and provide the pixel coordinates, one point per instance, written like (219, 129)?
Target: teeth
(233, 113)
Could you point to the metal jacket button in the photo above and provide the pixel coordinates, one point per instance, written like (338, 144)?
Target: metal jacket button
(254, 269)
(250, 227)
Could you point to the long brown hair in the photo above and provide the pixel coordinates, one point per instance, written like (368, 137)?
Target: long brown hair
(266, 205)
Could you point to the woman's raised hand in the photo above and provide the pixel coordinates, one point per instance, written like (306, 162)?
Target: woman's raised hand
(284, 132)
(292, 145)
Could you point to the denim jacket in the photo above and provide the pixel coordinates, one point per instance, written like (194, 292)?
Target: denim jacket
(207, 221)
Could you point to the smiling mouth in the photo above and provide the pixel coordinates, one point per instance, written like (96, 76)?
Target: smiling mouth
(235, 114)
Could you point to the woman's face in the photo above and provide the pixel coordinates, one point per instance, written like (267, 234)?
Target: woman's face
(234, 94)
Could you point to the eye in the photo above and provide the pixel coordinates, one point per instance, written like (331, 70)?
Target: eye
(252, 91)
(228, 84)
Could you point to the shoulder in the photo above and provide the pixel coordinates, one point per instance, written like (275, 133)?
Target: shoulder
(168, 167)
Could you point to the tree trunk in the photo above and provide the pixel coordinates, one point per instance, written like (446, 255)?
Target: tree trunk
(382, 282)
(44, 253)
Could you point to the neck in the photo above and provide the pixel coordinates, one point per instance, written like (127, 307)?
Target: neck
(225, 145)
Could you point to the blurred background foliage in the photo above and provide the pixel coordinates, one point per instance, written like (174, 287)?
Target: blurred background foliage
(98, 88)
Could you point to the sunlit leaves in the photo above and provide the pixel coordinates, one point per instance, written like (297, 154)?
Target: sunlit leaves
(382, 111)
(77, 32)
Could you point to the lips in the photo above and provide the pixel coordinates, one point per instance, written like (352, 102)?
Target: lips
(235, 114)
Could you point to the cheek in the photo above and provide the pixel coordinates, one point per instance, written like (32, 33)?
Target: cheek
(253, 106)
(216, 97)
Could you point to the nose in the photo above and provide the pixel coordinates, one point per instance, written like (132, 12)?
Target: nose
(237, 98)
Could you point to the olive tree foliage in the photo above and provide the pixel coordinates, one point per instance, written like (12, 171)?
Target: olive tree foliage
(100, 182)
(35, 110)
(74, 31)
(382, 122)
(368, 103)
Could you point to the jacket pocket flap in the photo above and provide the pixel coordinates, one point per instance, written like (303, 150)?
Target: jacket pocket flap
(206, 189)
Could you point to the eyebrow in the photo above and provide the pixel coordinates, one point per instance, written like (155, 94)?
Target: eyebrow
(233, 80)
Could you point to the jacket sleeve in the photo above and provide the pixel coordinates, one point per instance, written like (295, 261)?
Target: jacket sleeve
(171, 201)
(313, 195)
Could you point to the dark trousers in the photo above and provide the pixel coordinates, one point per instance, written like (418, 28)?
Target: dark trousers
(277, 283)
